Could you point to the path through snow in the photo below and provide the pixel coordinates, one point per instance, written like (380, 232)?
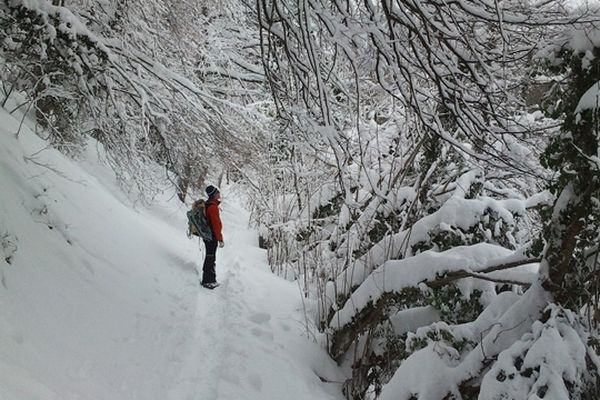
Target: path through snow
(249, 331)
(249, 340)
(100, 300)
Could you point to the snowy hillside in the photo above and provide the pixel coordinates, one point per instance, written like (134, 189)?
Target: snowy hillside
(100, 299)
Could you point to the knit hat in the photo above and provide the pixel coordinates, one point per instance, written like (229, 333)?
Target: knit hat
(211, 190)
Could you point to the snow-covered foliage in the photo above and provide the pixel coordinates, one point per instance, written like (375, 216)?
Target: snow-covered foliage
(133, 75)
(408, 193)
(572, 228)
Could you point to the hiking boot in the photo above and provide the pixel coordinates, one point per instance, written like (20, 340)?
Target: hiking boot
(210, 285)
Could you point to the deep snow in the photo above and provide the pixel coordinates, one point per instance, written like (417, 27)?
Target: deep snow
(100, 299)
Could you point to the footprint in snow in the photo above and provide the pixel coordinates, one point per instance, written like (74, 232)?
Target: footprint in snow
(255, 381)
(260, 333)
(285, 327)
(260, 318)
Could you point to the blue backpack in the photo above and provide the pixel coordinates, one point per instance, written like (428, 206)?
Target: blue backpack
(197, 222)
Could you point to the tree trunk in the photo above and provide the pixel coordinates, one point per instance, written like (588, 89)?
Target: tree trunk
(183, 182)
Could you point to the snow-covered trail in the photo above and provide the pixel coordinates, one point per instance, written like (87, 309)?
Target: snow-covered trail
(100, 299)
(248, 334)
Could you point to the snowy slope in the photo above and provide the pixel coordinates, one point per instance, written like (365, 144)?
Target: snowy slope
(100, 299)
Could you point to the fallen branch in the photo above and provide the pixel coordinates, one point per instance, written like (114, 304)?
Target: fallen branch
(460, 274)
(497, 280)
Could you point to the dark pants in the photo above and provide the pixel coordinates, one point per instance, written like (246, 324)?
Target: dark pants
(208, 269)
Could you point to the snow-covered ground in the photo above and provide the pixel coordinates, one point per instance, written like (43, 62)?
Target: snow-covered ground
(100, 299)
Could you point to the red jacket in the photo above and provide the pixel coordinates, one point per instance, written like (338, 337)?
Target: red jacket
(214, 219)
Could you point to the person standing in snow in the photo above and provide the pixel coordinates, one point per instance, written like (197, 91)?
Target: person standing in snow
(209, 276)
